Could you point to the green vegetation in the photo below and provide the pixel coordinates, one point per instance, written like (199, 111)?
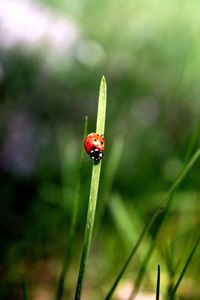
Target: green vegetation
(101, 115)
(72, 229)
(147, 213)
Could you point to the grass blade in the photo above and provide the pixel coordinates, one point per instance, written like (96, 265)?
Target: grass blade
(100, 126)
(142, 270)
(25, 288)
(165, 203)
(101, 113)
(68, 253)
(185, 267)
(158, 284)
(132, 253)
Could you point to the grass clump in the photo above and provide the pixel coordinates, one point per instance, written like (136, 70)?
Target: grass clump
(153, 225)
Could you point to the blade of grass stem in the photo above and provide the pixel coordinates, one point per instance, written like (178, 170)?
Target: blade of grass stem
(25, 288)
(100, 126)
(190, 256)
(141, 271)
(180, 177)
(126, 222)
(165, 203)
(70, 243)
(132, 253)
(158, 284)
(150, 251)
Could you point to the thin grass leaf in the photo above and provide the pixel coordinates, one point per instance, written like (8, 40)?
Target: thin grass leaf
(126, 221)
(101, 113)
(158, 284)
(68, 253)
(128, 224)
(100, 126)
(25, 288)
(180, 177)
(142, 271)
(132, 253)
(165, 203)
(190, 256)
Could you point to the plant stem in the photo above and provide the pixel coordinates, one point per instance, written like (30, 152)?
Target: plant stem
(132, 253)
(190, 256)
(158, 284)
(93, 192)
(70, 243)
(165, 203)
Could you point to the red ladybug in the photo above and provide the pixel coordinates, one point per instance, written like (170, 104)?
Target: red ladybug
(94, 146)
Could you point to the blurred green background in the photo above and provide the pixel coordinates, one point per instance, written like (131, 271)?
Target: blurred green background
(52, 56)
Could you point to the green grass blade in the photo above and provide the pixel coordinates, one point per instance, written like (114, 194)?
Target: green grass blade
(124, 219)
(185, 267)
(93, 192)
(158, 284)
(101, 113)
(165, 203)
(132, 253)
(25, 288)
(70, 243)
(181, 176)
(142, 270)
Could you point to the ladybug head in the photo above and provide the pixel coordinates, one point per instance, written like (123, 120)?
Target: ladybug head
(96, 154)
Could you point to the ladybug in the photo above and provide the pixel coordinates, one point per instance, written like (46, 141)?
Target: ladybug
(94, 146)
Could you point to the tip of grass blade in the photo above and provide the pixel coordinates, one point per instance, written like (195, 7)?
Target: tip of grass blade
(101, 113)
(103, 84)
(103, 78)
(158, 284)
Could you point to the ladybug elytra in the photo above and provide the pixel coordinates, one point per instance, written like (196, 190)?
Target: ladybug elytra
(94, 146)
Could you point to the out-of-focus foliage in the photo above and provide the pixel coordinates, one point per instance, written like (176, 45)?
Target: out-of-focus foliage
(50, 69)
